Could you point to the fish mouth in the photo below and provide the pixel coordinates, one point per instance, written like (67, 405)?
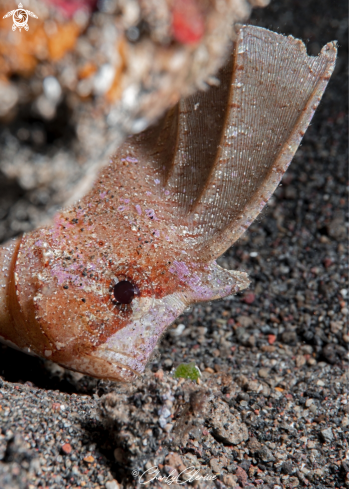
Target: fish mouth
(130, 348)
(103, 368)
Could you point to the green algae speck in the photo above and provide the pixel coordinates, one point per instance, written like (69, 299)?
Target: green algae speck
(187, 371)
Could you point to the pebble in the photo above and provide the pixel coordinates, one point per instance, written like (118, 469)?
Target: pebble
(264, 373)
(287, 467)
(226, 426)
(216, 465)
(249, 297)
(89, 459)
(265, 454)
(300, 361)
(66, 448)
(112, 485)
(327, 435)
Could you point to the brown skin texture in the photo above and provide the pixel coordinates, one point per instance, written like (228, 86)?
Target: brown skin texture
(63, 302)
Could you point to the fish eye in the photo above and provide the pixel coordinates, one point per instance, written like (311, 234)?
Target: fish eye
(124, 292)
(130, 291)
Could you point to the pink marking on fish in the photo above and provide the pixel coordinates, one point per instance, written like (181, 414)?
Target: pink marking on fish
(151, 213)
(103, 194)
(180, 269)
(130, 159)
(138, 209)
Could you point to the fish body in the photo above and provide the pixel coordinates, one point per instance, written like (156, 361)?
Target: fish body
(95, 290)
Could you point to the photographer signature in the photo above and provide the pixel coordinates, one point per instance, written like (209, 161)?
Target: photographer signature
(190, 474)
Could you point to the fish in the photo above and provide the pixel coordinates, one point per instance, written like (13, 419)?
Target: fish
(96, 290)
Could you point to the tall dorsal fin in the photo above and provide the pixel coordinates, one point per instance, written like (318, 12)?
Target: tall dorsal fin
(220, 154)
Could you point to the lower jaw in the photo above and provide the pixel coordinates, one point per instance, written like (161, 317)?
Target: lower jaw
(102, 369)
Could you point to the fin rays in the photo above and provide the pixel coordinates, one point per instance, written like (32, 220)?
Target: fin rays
(220, 154)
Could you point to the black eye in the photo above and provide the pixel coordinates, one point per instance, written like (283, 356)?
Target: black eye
(124, 292)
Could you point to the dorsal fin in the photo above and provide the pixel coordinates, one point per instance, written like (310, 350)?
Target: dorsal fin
(220, 154)
(275, 90)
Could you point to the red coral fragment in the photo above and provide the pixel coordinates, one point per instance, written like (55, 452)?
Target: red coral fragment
(188, 21)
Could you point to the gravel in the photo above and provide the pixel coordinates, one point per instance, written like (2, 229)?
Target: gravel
(271, 407)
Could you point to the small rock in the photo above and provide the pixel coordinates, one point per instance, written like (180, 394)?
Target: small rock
(159, 374)
(289, 337)
(300, 361)
(271, 339)
(245, 321)
(336, 229)
(266, 391)
(249, 297)
(199, 401)
(242, 381)
(89, 459)
(227, 427)
(253, 445)
(251, 341)
(112, 485)
(336, 326)
(176, 461)
(287, 467)
(345, 421)
(245, 464)
(215, 465)
(243, 396)
(253, 386)
(230, 480)
(307, 349)
(264, 373)
(241, 476)
(265, 454)
(327, 435)
(162, 422)
(177, 331)
(293, 481)
(168, 427)
(313, 409)
(66, 448)
(333, 353)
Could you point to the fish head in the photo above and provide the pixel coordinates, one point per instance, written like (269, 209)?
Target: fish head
(99, 306)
